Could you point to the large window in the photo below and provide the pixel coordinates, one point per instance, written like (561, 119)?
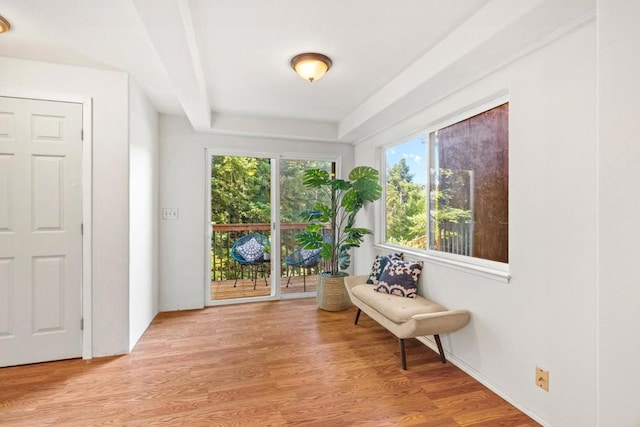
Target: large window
(447, 190)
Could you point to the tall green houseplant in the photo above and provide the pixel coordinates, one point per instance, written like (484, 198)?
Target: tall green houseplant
(346, 198)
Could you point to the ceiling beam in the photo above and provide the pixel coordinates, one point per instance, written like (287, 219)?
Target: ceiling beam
(170, 29)
(497, 34)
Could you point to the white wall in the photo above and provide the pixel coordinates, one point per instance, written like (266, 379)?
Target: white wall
(545, 316)
(619, 205)
(143, 213)
(183, 185)
(108, 90)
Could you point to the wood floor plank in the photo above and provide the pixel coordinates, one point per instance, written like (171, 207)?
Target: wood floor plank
(282, 363)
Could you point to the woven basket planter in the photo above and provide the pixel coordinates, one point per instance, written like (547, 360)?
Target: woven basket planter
(332, 294)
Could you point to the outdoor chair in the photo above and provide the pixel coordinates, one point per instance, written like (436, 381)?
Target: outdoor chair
(248, 251)
(303, 259)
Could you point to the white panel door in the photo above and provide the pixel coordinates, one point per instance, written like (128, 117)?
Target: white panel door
(40, 230)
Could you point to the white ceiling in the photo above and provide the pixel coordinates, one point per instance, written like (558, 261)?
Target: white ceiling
(223, 62)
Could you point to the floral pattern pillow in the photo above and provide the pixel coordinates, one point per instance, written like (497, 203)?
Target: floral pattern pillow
(251, 251)
(400, 278)
(379, 264)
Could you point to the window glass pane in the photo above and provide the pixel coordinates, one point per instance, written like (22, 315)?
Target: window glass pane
(406, 207)
(240, 213)
(294, 196)
(299, 271)
(469, 186)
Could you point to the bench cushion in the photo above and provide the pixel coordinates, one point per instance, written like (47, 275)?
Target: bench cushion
(395, 308)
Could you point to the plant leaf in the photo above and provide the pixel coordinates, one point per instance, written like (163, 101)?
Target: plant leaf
(364, 172)
(316, 178)
(310, 215)
(350, 200)
(315, 228)
(309, 239)
(367, 190)
(340, 185)
(325, 251)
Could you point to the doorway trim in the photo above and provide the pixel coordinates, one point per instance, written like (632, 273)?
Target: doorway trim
(87, 201)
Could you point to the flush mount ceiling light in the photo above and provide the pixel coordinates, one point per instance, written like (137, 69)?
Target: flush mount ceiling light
(4, 25)
(311, 66)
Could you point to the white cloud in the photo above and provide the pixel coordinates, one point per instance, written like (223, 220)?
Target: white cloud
(415, 157)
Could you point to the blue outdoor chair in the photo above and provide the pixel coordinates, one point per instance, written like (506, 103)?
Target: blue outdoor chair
(304, 259)
(248, 251)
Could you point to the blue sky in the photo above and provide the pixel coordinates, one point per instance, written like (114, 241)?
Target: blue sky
(415, 153)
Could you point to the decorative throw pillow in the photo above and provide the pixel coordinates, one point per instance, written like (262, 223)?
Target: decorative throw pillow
(400, 278)
(308, 257)
(379, 264)
(305, 254)
(251, 251)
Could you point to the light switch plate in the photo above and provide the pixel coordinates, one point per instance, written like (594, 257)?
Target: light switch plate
(169, 213)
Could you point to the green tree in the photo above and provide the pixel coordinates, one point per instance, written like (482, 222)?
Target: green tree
(294, 196)
(240, 190)
(406, 207)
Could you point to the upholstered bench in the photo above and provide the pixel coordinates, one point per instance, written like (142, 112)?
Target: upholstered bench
(404, 317)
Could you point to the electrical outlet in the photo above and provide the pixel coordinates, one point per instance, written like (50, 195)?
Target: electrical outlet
(542, 379)
(170, 213)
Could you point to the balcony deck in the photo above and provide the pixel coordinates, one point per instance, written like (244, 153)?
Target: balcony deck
(224, 269)
(221, 290)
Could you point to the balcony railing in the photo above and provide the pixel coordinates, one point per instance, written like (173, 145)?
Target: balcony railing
(455, 238)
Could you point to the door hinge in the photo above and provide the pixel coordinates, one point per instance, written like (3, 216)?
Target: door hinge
(82, 324)
(82, 229)
(81, 134)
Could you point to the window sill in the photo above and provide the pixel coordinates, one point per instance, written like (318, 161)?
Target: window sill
(499, 273)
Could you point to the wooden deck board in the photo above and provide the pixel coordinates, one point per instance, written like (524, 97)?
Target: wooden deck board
(221, 290)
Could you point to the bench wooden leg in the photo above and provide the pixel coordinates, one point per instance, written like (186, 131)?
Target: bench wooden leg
(440, 349)
(403, 356)
(357, 316)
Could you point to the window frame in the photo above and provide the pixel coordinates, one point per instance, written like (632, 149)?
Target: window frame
(486, 268)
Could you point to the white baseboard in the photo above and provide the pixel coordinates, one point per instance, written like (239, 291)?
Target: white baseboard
(480, 378)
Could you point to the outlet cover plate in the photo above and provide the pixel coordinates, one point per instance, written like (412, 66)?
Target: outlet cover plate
(542, 379)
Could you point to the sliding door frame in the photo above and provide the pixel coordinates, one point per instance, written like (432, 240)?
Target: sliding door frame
(275, 159)
(302, 157)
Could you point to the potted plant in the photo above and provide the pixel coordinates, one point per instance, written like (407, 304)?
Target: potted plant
(266, 252)
(345, 199)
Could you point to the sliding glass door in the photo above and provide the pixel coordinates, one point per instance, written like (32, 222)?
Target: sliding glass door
(254, 210)
(240, 214)
(300, 267)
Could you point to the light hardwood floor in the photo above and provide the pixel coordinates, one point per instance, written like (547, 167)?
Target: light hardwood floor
(263, 364)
